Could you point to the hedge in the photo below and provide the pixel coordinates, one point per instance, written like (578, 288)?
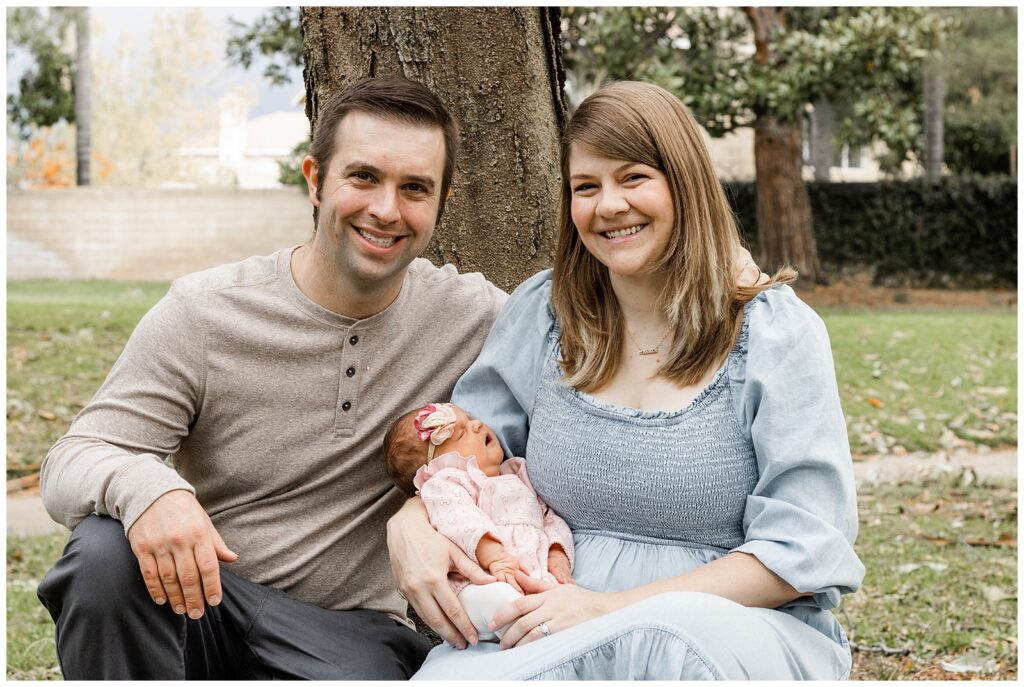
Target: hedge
(951, 232)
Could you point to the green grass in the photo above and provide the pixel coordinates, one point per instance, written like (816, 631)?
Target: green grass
(908, 379)
(62, 339)
(31, 654)
(961, 600)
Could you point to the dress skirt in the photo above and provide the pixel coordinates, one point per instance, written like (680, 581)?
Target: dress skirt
(672, 636)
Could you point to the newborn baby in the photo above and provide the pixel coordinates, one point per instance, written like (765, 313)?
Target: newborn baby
(487, 507)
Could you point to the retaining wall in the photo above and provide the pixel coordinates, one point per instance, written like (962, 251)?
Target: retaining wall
(146, 234)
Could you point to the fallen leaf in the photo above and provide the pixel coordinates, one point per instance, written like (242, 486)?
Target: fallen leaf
(940, 541)
(995, 594)
(876, 403)
(1004, 540)
(46, 415)
(969, 664)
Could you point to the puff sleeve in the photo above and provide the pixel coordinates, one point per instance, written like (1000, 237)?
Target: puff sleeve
(500, 386)
(801, 519)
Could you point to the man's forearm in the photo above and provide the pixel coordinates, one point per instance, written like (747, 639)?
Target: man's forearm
(81, 476)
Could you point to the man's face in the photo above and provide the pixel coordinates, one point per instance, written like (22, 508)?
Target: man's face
(378, 200)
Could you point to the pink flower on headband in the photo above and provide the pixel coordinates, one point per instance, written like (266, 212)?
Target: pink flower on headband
(436, 423)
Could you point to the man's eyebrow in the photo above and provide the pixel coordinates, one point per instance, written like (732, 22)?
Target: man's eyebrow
(357, 166)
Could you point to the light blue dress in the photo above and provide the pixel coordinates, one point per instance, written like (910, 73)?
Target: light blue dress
(758, 462)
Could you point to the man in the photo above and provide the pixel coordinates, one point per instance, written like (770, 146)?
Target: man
(270, 383)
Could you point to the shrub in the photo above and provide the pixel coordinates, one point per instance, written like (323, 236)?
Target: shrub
(951, 232)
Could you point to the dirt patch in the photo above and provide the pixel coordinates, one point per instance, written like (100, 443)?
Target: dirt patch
(856, 291)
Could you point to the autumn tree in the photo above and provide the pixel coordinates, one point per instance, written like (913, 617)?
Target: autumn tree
(764, 68)
(56, 87)
(499, 72)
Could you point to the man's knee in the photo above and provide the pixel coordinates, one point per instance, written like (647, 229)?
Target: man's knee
(97, 567)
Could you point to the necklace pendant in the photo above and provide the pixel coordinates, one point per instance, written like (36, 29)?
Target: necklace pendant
(648, 351)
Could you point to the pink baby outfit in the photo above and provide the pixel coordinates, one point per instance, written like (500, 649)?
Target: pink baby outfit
(464, 504)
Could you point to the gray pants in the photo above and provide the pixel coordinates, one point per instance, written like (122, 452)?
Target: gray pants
(109, 628)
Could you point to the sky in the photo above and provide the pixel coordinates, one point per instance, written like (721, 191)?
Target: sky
(138, 22)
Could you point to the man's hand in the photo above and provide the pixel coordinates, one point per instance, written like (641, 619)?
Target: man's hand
(558, 565)
(420, 560)
(178, 551)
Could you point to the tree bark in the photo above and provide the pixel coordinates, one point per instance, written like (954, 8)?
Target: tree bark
(784, 227)
(822, 134)
(499, 71)
(934, 104)
(82, 89)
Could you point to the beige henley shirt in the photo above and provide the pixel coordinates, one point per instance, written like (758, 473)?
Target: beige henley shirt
(273, 410)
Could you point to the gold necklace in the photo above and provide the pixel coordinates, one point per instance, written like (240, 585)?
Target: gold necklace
(647, 351)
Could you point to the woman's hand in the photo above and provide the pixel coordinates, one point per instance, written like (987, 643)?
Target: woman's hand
(557, 606)
(420, 560)
(558, 565)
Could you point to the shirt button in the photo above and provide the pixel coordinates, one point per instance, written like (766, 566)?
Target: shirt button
(346, 406)
(350, 371)
(353, 339)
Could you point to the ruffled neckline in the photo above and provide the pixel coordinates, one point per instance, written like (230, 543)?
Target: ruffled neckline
(736, 353)
(455, 460)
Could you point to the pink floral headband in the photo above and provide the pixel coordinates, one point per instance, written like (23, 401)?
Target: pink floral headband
(435, 424)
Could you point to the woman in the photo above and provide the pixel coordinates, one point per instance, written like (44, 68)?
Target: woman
(687, 429)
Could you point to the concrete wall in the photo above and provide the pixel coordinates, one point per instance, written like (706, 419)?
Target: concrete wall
(144, 234)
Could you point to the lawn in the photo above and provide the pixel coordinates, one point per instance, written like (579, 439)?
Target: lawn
(941, 557)
(925, 380)
(909, 380)
(940, 586)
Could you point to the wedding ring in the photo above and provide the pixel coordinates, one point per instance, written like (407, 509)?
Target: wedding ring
(543, 627)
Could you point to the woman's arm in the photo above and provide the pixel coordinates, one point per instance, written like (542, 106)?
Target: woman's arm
(739, 577)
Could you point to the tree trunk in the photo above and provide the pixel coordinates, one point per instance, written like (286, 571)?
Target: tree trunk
(499, 71)
(934, 103)
(82, 90)
(822, 135)
(784, 228)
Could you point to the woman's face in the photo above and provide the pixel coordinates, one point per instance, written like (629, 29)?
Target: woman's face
(622, 210)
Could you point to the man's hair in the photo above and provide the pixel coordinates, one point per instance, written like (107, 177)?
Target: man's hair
(403, 450)
(644, 123)
(389, 97)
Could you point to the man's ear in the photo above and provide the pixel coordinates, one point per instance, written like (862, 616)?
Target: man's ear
(311, 171)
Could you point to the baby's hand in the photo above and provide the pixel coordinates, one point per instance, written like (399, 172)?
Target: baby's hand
(558, 565)
(504, 569)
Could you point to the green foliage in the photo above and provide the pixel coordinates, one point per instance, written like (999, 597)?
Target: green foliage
(955, 231)
(276, 36)
(44, 94)
(981, 103)
(867, 58)
(291, 170)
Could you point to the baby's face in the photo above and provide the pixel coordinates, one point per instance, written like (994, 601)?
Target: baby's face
(473, 438)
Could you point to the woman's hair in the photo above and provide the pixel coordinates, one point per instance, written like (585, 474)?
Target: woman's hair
(404, 452)
(639, 122)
